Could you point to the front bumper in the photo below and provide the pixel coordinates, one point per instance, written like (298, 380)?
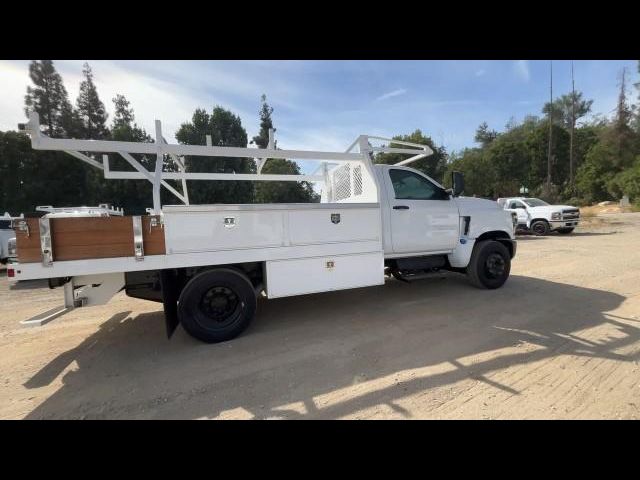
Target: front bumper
(564, 223)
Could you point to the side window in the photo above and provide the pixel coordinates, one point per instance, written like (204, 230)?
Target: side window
(513, 205)
(411, 186)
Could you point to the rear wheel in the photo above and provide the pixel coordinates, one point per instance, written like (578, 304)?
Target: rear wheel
(490, 264)
(540, 228)
(217, 305)
(565, 231)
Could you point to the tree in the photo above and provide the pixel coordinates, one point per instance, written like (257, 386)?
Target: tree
(132, 195)
(434, 165)
(48, 97)
(266, 123)
(602, 175)
(622, 133)
(562, 106)
(480, 176)
(123, 116)
(31, 177)
(637, 119)
(90, 108)
(47, 177)
(484, 136)
(627, 182)
(279, 192)
(226, 130)
(597, 171)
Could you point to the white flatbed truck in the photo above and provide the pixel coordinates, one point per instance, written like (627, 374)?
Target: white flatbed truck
(209, 263)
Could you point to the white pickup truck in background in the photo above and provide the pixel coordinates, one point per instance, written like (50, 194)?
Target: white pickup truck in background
(541, 218)
(210, 263)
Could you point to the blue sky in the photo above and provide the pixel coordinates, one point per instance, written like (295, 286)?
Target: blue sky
(326, 104)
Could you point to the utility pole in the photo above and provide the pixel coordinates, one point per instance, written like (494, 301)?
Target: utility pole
(550, 128)
(573, 126)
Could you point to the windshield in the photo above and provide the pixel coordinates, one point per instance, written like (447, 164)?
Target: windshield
(535, 202)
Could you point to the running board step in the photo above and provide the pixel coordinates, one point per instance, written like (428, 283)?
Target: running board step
(45, 317)
(417, 276)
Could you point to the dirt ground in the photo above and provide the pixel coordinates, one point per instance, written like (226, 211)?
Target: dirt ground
(561, 339)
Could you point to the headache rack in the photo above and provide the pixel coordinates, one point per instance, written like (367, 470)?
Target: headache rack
(176, 153)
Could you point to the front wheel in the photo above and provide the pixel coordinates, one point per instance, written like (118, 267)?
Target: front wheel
(217, 305)
(565, 231)
(540, 228)
(490, 264)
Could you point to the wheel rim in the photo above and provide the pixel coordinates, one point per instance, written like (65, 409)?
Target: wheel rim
(539, 228)
(494, 265)
(220, 306)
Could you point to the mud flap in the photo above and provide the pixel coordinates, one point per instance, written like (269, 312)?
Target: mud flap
(169, 285)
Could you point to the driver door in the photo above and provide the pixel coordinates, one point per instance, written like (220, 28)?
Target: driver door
(521, 209)
(424, 218)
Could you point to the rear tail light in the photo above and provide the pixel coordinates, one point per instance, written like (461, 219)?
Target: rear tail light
(11, 272)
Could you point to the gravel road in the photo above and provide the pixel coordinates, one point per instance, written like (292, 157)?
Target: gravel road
(561, 339)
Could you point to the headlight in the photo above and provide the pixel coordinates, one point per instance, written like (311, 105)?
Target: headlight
(556, 216)
(11, 248)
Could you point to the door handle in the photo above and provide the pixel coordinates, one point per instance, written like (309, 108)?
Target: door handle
(401, 207)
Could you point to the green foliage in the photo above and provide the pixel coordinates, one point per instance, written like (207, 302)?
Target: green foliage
(262, 139)
(595, 173)
(480, 177)
(284, 192)
(90, 108)
(226, 130)
(604, 155)
(132, 195)
(627, 182)
(279, 192)
(48, 97)
(565, 112)
(433, 165)
(484, 136)
(31, 177)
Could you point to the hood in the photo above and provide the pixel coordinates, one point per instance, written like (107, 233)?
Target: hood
(472, 203)
(552, 208)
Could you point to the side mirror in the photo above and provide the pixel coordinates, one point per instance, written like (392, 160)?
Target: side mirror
(457, 180)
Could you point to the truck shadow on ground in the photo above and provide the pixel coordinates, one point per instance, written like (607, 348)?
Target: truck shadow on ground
(301, 349)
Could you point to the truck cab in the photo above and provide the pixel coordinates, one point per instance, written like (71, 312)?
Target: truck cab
(421, 216)
(541, 218)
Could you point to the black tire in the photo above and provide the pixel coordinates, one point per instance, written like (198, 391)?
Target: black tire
(217, 305)
(490, 264)
(565, 231)
(540, 228)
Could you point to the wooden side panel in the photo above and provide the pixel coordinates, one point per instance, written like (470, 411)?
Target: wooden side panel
(79, 238)
(152, 237)
(29, 246)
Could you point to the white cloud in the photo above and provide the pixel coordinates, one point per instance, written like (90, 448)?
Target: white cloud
(522, 69)
(394, 93)
(158, 89)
